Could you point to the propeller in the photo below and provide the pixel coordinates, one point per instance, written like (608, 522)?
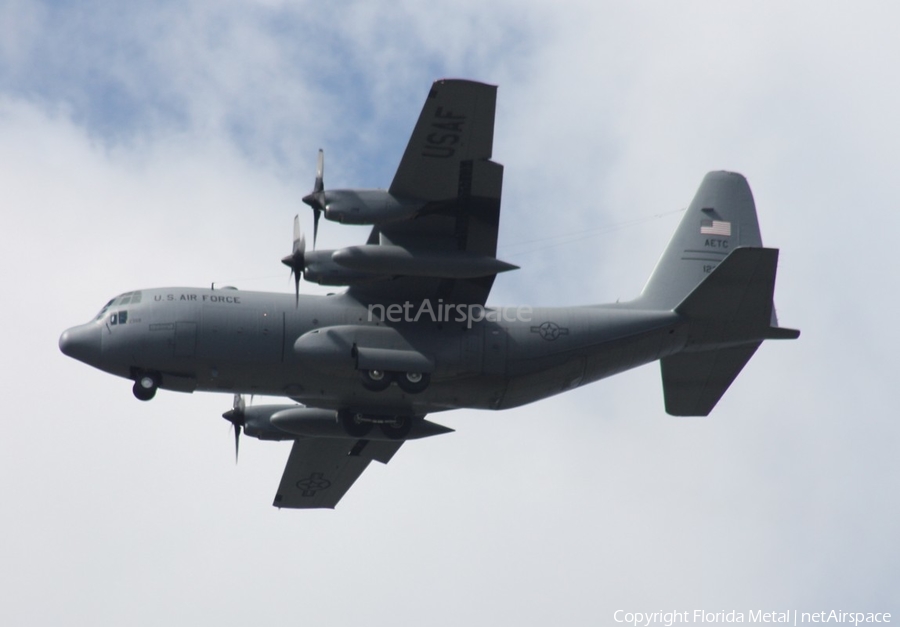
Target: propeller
(237, 417)
(316, 198)
(296, 260)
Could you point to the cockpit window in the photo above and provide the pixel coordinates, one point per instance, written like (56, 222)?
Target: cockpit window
(128, 298)
(104, 310)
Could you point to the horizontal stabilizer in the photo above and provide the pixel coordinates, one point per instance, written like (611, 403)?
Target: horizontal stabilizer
(694, 382)
(729, 315)
(734, 303)
(740, 288)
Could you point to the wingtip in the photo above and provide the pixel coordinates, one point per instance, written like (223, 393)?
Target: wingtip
(782, 333)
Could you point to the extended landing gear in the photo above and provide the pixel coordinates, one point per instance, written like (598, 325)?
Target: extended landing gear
(409, 382)
(398, 429)
(413, 382)
(375, 380)
(358, 425)
(145, 386)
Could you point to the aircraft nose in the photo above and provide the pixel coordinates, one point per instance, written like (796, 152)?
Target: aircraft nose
(81, 343)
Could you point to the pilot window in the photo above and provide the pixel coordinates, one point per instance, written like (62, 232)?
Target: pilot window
(104, 310)
(128, 298)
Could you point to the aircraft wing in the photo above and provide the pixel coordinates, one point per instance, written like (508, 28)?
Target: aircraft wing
(319, 471)
(447, 164)
(456, 126)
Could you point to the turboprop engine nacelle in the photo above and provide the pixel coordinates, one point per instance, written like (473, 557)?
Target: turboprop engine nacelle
(368, 206)
(358, 264)
(319, 267)
(327, 423)
(257, 422)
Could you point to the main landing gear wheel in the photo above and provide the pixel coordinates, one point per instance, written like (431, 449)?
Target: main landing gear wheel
(145, 387)
(413, 382)
(354, 425)
(375, 380)
(399, 429)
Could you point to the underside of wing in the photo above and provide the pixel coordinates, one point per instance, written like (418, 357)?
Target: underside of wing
(319, 471)
(446, 166)
(456, 125)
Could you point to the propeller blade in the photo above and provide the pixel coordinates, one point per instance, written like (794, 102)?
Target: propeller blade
(316, 198)
(317, 213)
(296, 260)
(236, 416)
(320, 173)
(237, 442)
(299, 238)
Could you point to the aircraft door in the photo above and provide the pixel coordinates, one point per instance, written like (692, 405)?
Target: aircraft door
(472, 351)
(496, 341)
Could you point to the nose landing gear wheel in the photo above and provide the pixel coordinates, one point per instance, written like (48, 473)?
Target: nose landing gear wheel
(145, 387)
(413, 382)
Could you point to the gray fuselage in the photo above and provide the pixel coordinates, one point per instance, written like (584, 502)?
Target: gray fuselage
(247, 342)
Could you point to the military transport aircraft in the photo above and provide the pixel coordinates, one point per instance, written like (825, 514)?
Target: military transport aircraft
(412, 334)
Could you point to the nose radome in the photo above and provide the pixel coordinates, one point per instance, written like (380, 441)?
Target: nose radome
(81, 343)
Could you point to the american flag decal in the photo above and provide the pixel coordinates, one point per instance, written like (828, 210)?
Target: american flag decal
(715, 227)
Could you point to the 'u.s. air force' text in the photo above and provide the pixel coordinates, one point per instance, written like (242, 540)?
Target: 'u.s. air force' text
(199, 298)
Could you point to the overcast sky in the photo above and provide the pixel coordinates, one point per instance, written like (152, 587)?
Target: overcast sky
(169, 143)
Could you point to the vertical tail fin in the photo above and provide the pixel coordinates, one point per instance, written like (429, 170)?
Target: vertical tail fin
(721, 217)
(717, 276)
